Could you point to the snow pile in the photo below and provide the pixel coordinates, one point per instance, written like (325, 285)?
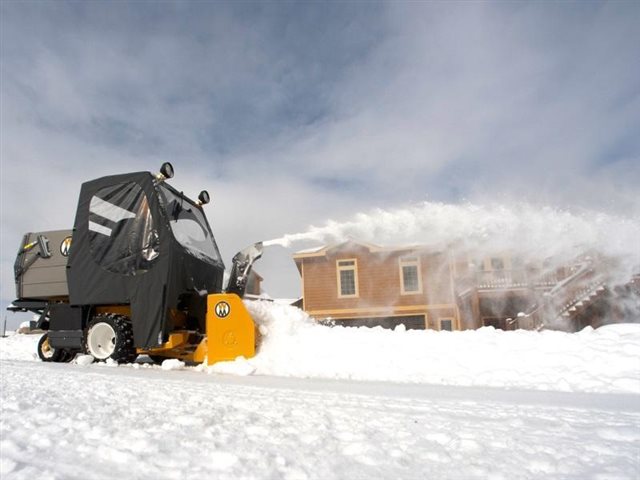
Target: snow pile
(602, 360)
(84, 360)
(172, 364)
(241, 367)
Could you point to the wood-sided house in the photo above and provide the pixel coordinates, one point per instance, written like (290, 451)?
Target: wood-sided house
(356, 283)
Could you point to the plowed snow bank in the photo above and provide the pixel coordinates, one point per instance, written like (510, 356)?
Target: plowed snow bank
(602, 360)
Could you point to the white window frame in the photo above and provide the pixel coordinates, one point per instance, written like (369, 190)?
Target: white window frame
(340, 268)
(502, 262)
(410, 262)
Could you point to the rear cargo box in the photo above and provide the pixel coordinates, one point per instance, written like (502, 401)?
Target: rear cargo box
(39, 277)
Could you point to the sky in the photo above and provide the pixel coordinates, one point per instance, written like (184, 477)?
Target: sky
(292, 113)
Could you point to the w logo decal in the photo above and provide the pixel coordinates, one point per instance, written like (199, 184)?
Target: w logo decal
(222, 309)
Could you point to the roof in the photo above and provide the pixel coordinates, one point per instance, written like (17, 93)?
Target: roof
(324, 250)
(255, 274)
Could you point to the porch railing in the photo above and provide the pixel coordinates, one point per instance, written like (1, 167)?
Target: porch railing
(499, 279)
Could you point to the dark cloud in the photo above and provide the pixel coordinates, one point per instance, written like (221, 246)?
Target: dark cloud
(292, 112)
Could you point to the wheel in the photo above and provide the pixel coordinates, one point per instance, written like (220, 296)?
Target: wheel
(49, 354)
(110, 336)
(70, 355)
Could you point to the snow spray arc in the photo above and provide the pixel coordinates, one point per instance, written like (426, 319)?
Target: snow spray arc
(533, 232)
(522, 228)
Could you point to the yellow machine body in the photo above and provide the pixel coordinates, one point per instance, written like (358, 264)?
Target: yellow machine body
(230, 333)
(230, 328)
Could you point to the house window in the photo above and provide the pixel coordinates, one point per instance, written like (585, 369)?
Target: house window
(347, 278)
(410, 276)
(497, 264)
(446, 324)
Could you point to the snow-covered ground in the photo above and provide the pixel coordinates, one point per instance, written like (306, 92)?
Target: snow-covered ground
(483, 404)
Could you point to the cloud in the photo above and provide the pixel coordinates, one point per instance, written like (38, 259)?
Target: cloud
(486, 91)
(291, 114)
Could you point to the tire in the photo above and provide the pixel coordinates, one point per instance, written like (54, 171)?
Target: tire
(49, 354)
(110, 337)
(70, 355)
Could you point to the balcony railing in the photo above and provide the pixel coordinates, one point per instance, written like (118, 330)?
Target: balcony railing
(499, 279)
(576, 286)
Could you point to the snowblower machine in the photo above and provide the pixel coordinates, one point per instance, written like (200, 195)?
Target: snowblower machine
(140, 273)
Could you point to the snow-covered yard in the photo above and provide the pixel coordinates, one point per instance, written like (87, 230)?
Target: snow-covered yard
(326, 403)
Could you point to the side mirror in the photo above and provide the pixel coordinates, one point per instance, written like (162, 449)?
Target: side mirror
(166, 171)
(204, 197)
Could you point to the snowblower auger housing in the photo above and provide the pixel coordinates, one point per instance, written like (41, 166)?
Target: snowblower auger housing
(139, 265)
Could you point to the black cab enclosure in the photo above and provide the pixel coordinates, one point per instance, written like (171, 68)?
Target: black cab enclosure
(139, 242)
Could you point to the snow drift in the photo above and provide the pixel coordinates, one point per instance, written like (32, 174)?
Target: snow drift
(601, 360)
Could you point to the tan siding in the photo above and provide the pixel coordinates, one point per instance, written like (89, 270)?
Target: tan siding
(379, 286)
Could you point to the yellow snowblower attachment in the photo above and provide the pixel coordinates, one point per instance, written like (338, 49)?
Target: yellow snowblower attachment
(230, 328)
(230, 333)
